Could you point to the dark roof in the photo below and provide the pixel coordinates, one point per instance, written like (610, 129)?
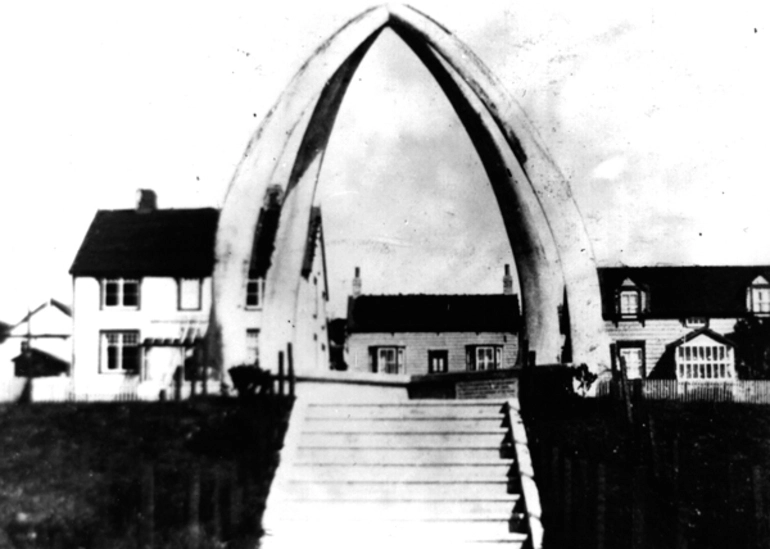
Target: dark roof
(313, 234)
(680, 292)
(701, 331)
(434, 313)
(264, 240)
(158, 243)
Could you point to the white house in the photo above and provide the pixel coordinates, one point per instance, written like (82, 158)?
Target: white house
(675, 322)
(142, 297)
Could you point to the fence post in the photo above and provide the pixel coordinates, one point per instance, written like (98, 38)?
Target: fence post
(601, 506)
(639, 501)
(759, 507)
(567, 513)
(290, 361)
(280, 373)
(194, 503)
(147, 525)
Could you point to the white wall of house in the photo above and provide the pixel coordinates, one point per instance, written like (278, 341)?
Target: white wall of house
(158, 316)
(657, 334)
(417, 344)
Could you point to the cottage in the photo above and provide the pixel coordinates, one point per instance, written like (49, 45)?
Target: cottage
(143, 294)
(672, 322)
(432, 334)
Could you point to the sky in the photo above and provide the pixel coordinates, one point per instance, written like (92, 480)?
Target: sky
(657, 114)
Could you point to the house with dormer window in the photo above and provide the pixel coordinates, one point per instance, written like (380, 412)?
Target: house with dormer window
(675, 322)
(142, 283)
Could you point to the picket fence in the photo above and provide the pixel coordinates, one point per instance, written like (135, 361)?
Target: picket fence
(745, 391)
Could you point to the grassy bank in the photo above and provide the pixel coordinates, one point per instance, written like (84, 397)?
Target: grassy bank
(113, 475)
(681, 475)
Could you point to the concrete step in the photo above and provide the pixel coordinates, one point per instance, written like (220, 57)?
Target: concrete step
(441, 439)
(389, 490)
(401, 509)
(404, 410)
(395, 455)
(396, 425)
(414, 533)
(400, 472)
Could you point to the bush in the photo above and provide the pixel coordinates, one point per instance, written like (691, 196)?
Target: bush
(250, 380)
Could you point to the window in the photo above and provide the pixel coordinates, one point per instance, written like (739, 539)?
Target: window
(696, 322)
(438, 362)
(758, 296)
(483, 357)
(120, 293)
(387, 360)
(252, 346)
(121, 352)
(629, 303)
(189, 294)
(255, 292)
(631, 300)
(632, 354)
(703, 361)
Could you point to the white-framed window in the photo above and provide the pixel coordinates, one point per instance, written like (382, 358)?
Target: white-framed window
(387, 360)
(484, 357)
(252, 346)
(189, 294)
(710, 361)
(120, 352)
(120, 293)
(255, 293)
(758, 296)
(438, 361)
(632, 355)
(696, 322)
(630, 304)
(631, 300)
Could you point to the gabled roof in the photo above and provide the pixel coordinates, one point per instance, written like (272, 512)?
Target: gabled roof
(681, 292)
(66, 309)
(719, 338)
(434, 313)
(158, 243)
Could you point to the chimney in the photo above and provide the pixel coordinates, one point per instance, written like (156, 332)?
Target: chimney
(357, 283)
(146, 201)
(507, 281)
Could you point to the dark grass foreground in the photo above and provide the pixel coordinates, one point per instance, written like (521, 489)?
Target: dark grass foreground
(681, 475)
(186, 474)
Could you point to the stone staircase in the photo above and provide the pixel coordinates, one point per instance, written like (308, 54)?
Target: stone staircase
(395, 475)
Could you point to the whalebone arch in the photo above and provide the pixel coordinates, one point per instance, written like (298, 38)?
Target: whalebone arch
(547, 235)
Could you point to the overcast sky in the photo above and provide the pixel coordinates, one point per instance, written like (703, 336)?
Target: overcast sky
(658, 115)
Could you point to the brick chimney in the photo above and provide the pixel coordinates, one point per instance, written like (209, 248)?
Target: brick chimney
(357, 283)
(507, 281)
(146, 201)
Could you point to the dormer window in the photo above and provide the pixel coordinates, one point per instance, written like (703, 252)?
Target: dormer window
(630, 300)
(120, 293)
(630, 303)
(758, 296)
(255, 293)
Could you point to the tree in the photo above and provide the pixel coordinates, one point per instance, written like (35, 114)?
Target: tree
(752, 347)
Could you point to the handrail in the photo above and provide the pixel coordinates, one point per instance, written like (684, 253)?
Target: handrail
(530, 497)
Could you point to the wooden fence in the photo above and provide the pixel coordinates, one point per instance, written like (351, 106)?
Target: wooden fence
(746, 391)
